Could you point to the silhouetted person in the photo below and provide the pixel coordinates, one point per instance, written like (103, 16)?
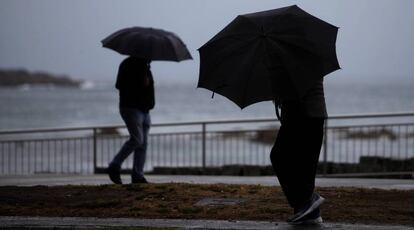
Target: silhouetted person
(295, 153)
(136, 99)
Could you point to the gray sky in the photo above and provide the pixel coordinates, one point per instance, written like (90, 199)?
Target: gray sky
(375, 39)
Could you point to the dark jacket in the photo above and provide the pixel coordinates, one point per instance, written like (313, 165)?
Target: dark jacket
(135, 84)
(312, 104)
(314, 101)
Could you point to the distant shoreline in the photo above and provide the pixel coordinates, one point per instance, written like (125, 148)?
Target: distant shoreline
(21, 77)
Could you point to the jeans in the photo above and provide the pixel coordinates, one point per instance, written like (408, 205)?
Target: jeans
(138, 124)
(295, 156)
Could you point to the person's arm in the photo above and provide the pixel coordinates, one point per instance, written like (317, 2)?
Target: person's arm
(120, 81)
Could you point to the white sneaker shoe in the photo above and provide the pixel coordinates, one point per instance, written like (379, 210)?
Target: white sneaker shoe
(314, 203)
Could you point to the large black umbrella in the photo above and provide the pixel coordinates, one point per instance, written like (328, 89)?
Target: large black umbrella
(148, 43)
(240, 61)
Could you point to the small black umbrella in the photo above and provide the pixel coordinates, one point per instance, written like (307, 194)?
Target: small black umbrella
(241, 60)
(148, 43)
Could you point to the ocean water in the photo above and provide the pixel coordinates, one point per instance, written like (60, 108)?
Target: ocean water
(45, 107)
(96, 105)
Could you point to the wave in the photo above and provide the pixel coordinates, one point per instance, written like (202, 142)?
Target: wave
(85, 85)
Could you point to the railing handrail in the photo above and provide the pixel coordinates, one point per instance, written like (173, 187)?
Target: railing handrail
(205, 122)
(372, 115)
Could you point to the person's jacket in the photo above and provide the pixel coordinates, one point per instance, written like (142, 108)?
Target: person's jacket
(312, 104)
(135, 85)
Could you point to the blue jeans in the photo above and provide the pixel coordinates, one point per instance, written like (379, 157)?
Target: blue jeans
(138, 124)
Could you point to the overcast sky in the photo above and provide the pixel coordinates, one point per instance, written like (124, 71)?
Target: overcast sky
(375, 39)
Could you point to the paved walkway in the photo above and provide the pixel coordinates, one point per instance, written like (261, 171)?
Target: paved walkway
(76, 179)
(91, 222)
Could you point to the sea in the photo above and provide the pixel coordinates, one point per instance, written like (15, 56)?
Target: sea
(96, 104)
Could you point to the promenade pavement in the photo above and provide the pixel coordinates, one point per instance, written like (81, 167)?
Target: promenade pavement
(109, 223)
(97, 179)
(90, 222)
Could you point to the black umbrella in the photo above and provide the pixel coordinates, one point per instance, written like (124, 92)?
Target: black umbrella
(240, 60)
(148, 43)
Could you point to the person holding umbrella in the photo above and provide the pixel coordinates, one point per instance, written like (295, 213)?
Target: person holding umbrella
(295, 153)
(136, 89)
(279, 55)
(136, 98)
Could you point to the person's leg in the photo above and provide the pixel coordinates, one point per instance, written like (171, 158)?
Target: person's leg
(140, 153)
(295, 157)
(306, 201)
(284, 158)
(312, 143)
(133, 123)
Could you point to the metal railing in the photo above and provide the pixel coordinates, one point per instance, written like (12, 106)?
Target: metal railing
(352, 144)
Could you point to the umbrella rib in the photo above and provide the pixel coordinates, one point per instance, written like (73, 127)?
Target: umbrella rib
(275, 41)
(250, 75)
(275, 37)
(175, 42)
(172, 47)
(280, 50)
(244, 44)
(233, 36)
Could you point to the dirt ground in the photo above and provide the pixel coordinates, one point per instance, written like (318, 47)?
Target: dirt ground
(347, 205)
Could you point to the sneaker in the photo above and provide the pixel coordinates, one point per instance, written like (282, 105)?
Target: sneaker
(313, 204)
(313, 218)
(114, 174)
(141, 180)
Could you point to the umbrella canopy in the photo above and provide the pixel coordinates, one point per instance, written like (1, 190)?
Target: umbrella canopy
(147, 43)
(240, 61)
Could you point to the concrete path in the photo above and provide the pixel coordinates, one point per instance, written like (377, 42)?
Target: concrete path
(76, 179)
(91, 222)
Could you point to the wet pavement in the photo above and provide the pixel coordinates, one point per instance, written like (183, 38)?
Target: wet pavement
(90, 222)
(77, 179)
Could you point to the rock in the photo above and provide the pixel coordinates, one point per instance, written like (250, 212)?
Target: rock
(15, 78)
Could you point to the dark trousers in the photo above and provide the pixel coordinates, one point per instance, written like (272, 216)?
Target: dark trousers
(295, 156)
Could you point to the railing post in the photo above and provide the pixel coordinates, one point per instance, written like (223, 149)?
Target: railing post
(203, 144)
(94, 149)
(325, 148)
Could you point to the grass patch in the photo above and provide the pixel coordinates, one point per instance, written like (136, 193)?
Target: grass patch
(349, 205)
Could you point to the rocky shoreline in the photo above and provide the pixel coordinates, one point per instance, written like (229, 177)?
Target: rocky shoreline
(21, 77)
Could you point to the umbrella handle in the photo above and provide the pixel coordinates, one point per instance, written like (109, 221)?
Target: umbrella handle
(278, 106)
(278, 113)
